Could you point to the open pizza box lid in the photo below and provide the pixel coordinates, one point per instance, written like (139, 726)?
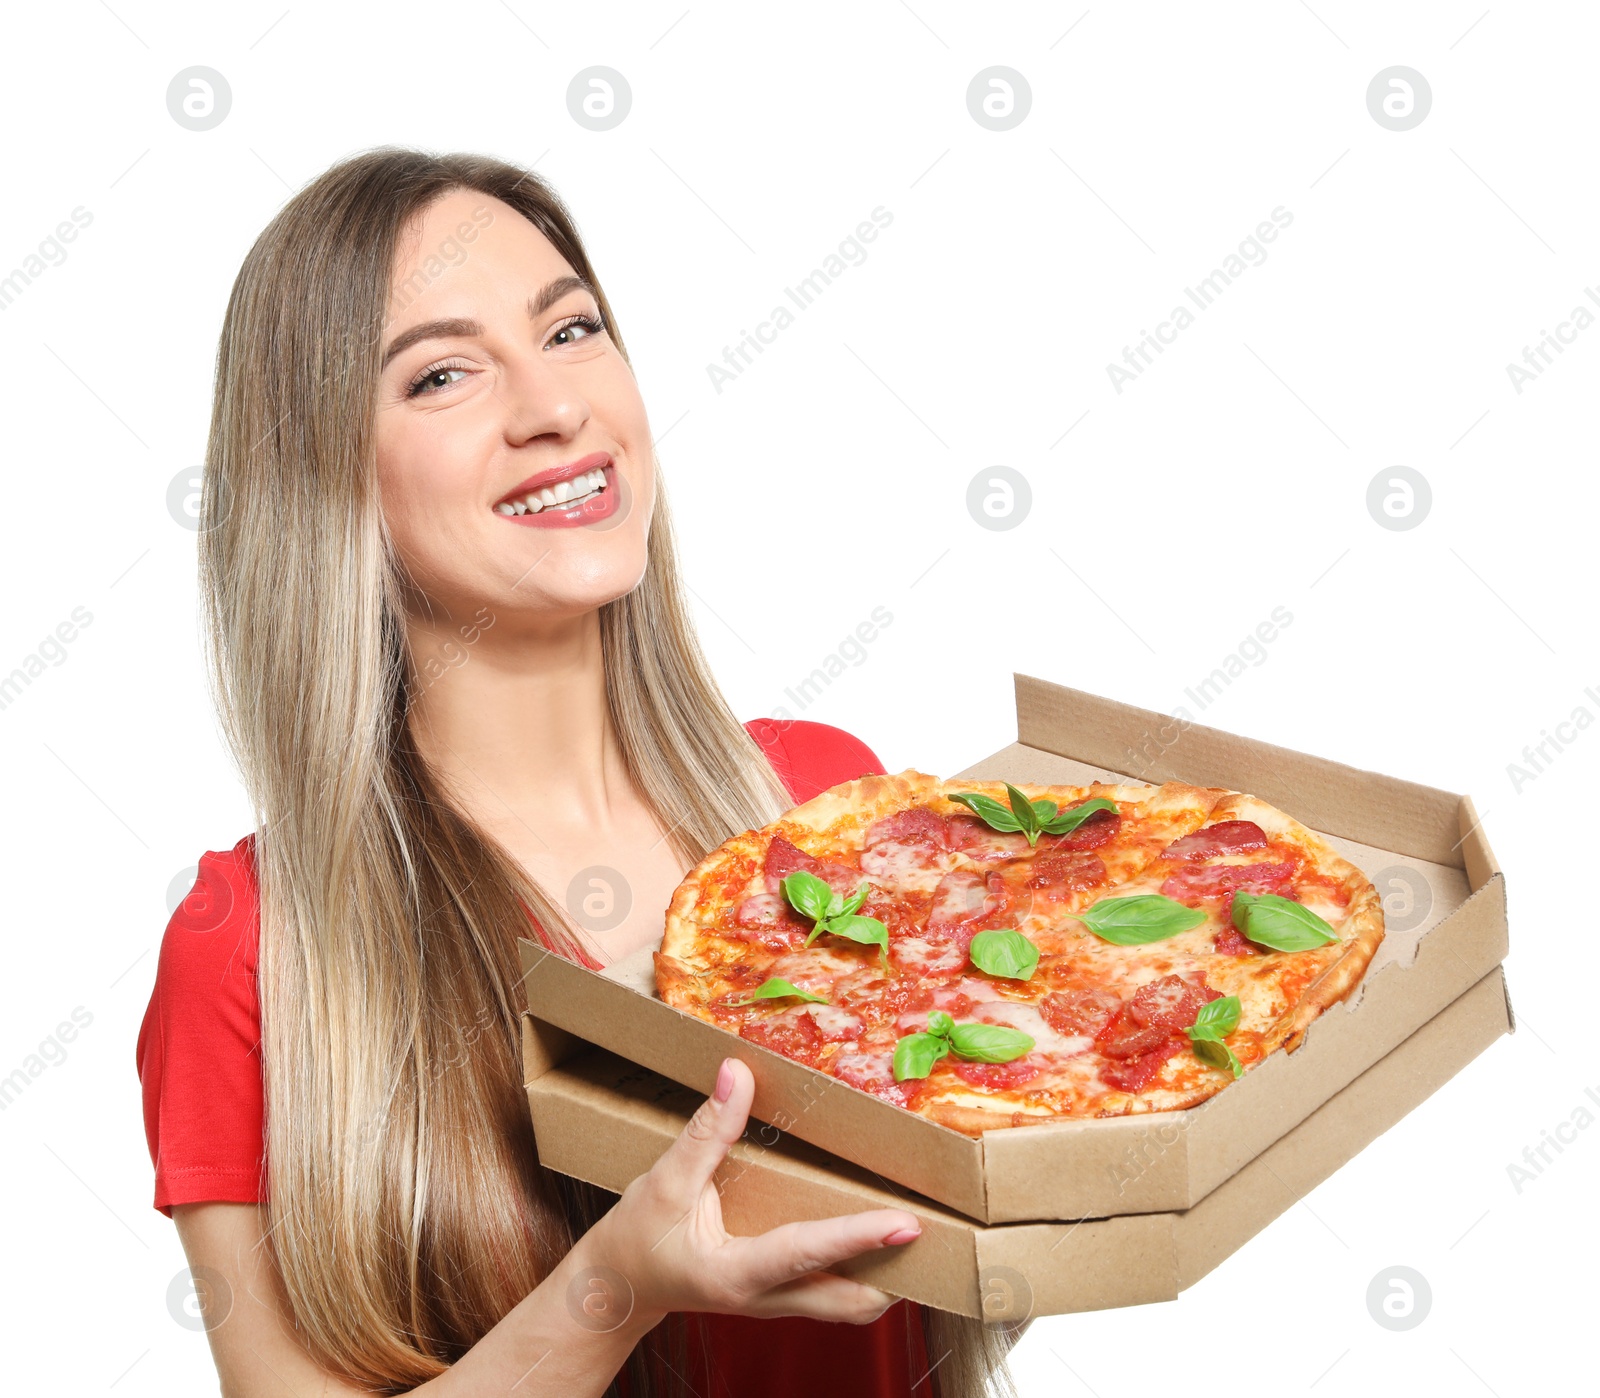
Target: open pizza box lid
(606, 1120)
(1424, 850)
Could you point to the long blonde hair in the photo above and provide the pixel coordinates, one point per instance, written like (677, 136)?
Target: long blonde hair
(408, 1211)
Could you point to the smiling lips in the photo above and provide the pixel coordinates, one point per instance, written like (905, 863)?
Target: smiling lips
(582, 492)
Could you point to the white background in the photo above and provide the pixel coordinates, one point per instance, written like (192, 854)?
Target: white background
(1167, 520)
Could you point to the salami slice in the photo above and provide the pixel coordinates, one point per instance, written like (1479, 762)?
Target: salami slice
(784, 857)
(1098, 829)
(1001, 1075)
(1225, 837)
(1169, 1003)
(1136, 1074)
(1075, 1012)
(979, 841)
(1064, 871)
(962, 897)
(794, 1036)
(1126, 1037)
(919, 825)
(1191, 884)
(874, 1073)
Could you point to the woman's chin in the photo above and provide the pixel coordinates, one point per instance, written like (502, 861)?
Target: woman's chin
(561, 597)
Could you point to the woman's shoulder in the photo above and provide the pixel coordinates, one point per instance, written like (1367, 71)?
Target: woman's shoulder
(198, 1048)
(810, 757)
(211, 938)
(222, 903)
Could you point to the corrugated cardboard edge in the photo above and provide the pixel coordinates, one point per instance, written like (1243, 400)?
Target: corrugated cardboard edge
(1008, 1271)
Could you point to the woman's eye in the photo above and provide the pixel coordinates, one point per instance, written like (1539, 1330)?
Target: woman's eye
(588, 324)
(425, 381)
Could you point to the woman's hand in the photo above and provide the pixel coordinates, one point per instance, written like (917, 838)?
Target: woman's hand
(663, 1247)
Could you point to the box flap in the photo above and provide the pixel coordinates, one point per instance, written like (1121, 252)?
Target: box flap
(1151, 747)
(605, 1120)
(690, 1050)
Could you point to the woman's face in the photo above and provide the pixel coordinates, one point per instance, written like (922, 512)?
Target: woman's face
(498, 390)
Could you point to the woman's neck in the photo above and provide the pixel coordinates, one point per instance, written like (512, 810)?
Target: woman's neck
(516, 719)
(516, 724)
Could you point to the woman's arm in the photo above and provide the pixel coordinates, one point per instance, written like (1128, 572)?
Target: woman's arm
(661, 1248)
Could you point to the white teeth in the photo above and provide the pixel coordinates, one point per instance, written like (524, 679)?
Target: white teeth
(568, 492)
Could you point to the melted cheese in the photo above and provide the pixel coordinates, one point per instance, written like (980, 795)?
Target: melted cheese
(928, 957)
(905, 868)
(1027, 1018)
(834, 1022)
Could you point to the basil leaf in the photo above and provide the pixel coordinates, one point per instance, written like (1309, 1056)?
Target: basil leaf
(915, 1055)
(1218, 1055)
(850, 904)
(866, 930)
(1070, 819)
(940, 1023)
(1027, 817)
(1044, 811)
(989, 1043)
(1004, 953)
(1217, 1019)
(807, 893)
(1141, 918)
(1280, 923)
(988, 810)
(776, 988)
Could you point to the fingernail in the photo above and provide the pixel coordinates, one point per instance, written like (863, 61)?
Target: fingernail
(902, 1235)
(724, 1081)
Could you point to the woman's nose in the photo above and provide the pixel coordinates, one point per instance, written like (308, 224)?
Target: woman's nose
(539, 400)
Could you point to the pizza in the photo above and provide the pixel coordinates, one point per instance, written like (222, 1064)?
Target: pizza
(992, 956)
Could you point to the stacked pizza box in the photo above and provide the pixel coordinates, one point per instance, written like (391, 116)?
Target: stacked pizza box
(1073, 1215)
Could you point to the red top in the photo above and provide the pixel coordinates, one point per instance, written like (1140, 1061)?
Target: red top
(200, 1071)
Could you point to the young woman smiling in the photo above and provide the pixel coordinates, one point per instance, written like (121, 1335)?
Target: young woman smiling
(451, 653)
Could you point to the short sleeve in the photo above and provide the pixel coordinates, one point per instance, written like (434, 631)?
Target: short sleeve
(199, 1048)
(810, 757)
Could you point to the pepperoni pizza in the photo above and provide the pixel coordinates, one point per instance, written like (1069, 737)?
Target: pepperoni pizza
(992, 956)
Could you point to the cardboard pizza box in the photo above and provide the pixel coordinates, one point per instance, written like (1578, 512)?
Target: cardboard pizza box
(606, 1120)
(1424, 849)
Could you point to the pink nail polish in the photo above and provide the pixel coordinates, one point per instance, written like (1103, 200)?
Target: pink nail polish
(724, 1081)
(902, 1235)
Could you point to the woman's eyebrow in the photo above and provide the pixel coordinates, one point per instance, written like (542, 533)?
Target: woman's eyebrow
(443, 329)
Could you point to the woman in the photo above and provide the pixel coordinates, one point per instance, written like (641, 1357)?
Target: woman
(451, 655)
